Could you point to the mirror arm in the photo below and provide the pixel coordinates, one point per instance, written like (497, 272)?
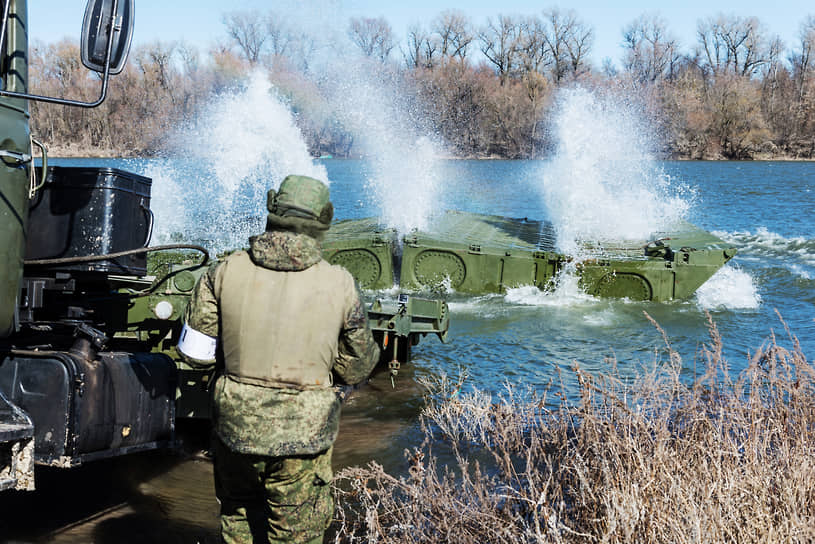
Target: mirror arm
(63, 101)
(66, 101)
(6, 7)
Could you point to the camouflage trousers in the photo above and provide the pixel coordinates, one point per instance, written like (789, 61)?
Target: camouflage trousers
(273, 499)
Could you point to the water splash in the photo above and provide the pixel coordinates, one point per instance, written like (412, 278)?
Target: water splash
(603, 182)
(251, 134)
(403, 156)
(221, 165)
(730, 288)
(801, 272)
(168, 202)
(565, 292)
(248, 141)
(368, 99)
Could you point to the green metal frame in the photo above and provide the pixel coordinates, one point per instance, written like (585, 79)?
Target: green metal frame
(478, 254)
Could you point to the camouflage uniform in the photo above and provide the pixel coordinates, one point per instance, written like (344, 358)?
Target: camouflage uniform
(287, 323)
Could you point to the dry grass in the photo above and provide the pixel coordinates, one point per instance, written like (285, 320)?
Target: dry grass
(656, 459)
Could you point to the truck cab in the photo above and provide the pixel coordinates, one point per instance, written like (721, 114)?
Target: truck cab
(70, 389)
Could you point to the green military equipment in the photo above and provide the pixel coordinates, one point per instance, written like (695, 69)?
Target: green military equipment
(82, 375)
(15, 154)
(477, 254)
(366, 249)
(400, 324)
(670, 266)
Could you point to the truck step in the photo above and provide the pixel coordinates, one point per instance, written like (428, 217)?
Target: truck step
(8, 483)
(12, 432)
(16, 448)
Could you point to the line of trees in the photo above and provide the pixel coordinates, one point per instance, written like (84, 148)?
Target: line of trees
(737, 93)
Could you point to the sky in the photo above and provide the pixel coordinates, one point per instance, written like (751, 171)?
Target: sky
(198, 22)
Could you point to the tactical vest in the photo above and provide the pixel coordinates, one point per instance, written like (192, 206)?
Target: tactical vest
(281, 329)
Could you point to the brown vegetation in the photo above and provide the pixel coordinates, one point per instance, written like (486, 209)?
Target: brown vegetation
(736, 93)
(648, 460)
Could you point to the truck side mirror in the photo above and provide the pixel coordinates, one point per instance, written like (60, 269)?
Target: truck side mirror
(106, 33)
(96, 29)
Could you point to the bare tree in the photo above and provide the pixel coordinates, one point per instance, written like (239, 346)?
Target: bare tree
(501, 42)
(155, 61)
(732, 44)
(373, 36)
(737, 124)
(415, 43)
(518, 47)
(307, 47)
(190, 58)
(568, 41)
(430, 47)
(609, 69)
(246, 30)
(578, 45)
(771, 73)
(279, 34)
(801, 125)
(422, 48)
(454, 33)
(803, 59)
(534, 55)
(65, 66)
(651, 52)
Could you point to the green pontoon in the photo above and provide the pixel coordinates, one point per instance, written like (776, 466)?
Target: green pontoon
(478, 254)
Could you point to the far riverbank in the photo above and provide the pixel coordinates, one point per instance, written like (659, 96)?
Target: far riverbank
(75, 152)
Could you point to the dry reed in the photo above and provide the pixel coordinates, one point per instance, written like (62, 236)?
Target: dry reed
(653, 459)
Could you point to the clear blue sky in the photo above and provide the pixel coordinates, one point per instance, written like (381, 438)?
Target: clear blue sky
(199, 21)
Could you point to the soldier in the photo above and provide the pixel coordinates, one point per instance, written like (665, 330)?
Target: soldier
(281, 324)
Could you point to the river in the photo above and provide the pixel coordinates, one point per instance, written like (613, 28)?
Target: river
(765, 209)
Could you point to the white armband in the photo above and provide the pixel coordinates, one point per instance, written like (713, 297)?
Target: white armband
(196, 345)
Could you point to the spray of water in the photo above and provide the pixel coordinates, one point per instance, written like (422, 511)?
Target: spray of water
(402, 156)
(247, 141)
(603, 182)
(602, 185)
(213, 186)
(172, 212)
(248, 134)
(564, 293)
(730, 288)
(389, 130)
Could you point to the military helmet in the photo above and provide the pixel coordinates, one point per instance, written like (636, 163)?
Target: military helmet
(303, 197)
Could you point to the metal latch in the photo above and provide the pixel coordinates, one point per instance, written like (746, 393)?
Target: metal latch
(394, 367)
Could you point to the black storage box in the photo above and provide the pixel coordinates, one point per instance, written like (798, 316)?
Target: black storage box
(91, 211)
(120, 403)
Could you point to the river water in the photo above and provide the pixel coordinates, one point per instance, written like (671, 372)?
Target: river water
(765, 209)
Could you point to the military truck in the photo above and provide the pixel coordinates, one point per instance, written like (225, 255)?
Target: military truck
(81, 327)
(88, 367)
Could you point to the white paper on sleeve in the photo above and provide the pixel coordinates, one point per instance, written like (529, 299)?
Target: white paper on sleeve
(196, 345)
